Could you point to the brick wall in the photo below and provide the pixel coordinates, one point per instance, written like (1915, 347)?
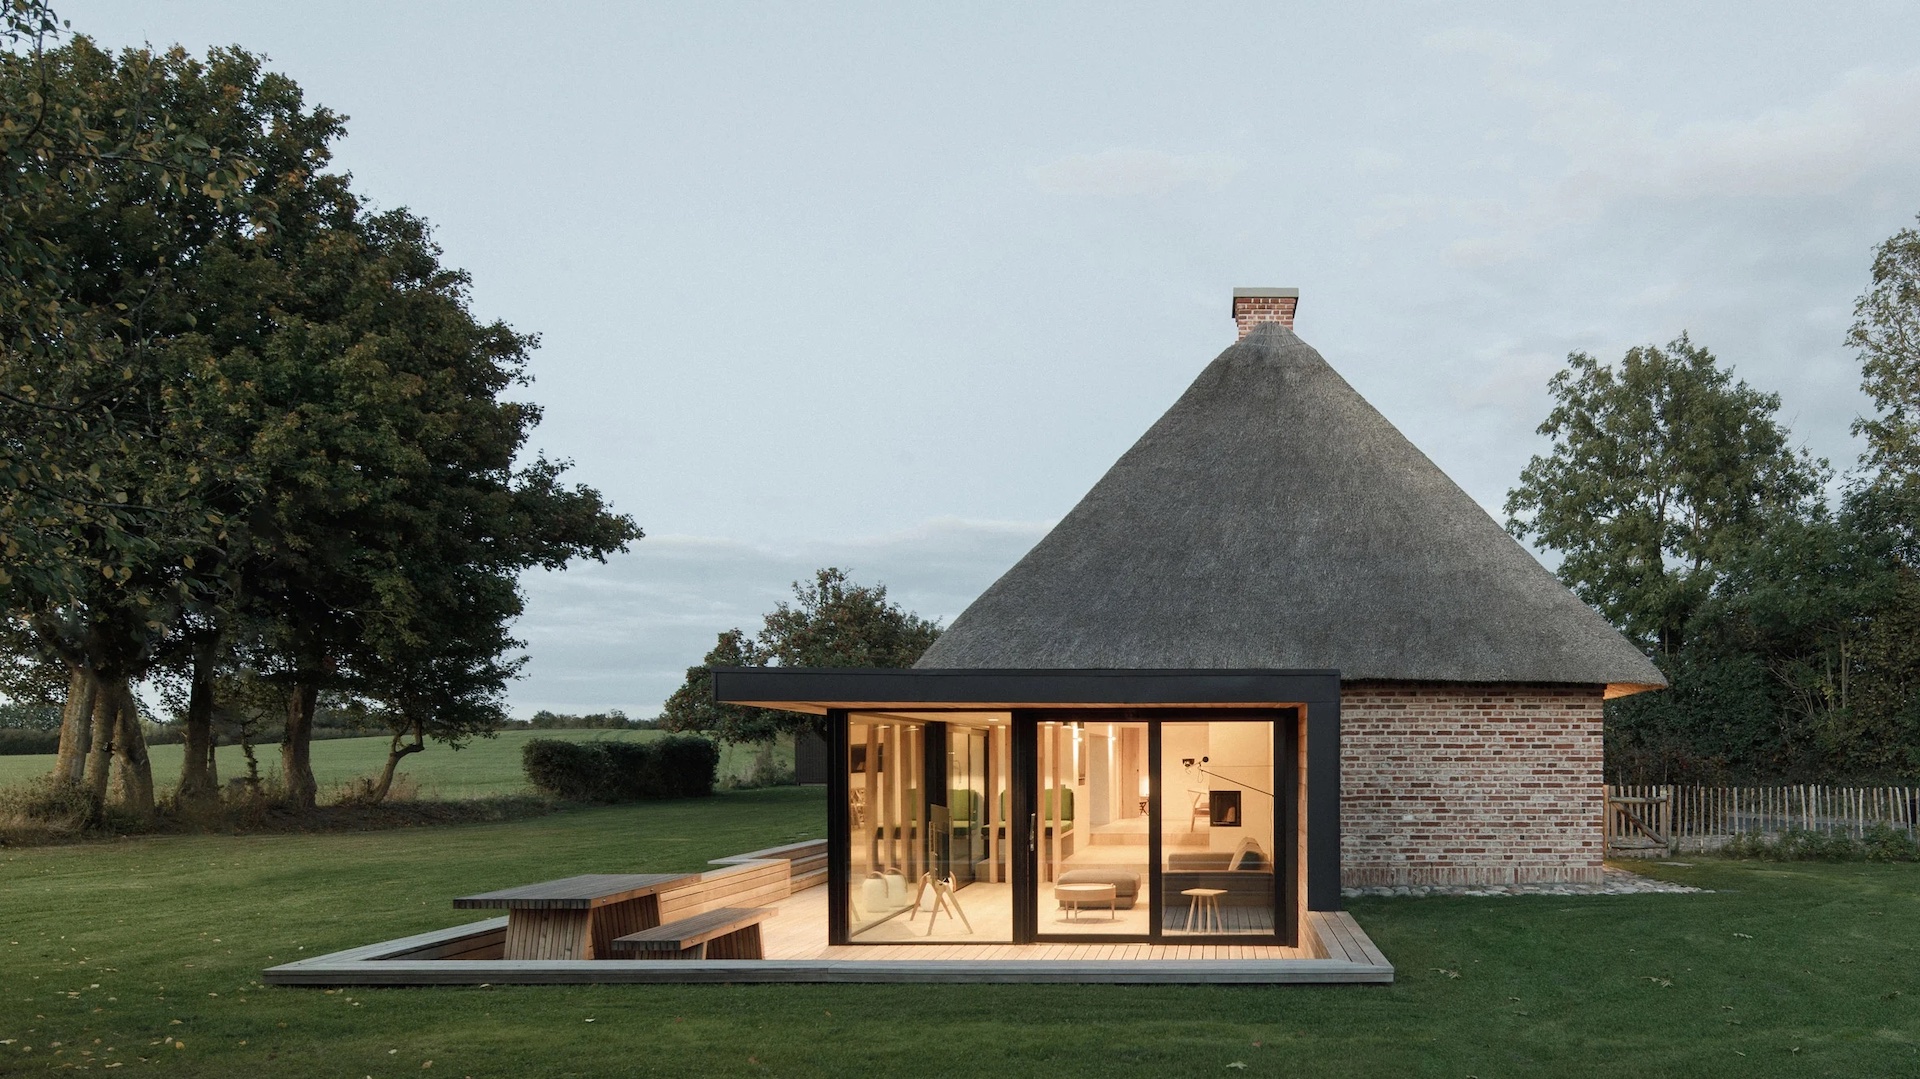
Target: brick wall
(1251, 311)
(1453, 784)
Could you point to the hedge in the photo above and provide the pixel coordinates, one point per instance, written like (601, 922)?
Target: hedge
(17, 743)
(677, 766)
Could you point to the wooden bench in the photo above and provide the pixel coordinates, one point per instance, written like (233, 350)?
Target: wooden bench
(577, 917)
(726, 933)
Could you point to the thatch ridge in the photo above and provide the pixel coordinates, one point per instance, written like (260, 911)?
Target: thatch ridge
(1272, 518)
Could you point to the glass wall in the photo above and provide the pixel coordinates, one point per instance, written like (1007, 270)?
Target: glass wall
(926, 800)
(1217, 841)
(1093, 841)
(934, 848)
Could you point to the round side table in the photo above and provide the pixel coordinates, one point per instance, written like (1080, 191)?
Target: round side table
(1076, 896)
(1205, 904)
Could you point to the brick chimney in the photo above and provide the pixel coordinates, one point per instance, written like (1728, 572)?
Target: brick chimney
(1252, 306)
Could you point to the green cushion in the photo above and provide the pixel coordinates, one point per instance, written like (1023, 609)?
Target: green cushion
(1065, 795)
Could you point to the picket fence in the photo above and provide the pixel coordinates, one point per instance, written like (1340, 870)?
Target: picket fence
(1652, 820)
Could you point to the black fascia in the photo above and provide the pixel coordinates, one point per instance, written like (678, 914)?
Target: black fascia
(852, 687)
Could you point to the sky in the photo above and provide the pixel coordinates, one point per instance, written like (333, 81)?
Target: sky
(889, 287)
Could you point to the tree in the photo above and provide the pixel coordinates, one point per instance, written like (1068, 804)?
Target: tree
(400, 522)
(1660, 468)
(831, 623)
(118, 189)
(1886, 335)
(267, 424)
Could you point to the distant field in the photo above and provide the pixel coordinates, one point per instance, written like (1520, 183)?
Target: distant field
(487, 766)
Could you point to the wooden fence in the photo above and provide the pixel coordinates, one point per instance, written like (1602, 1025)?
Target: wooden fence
(1652, 820)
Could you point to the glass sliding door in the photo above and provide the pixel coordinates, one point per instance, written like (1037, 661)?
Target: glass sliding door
(1093, 863)
(1218, 849)
(927, 845)
(1065, 826)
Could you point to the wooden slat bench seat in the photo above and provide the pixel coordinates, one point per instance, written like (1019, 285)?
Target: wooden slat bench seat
(726, 933)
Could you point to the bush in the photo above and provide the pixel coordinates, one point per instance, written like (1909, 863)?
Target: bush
(18, 743)
(678, 766)
(46, 806)
(764, 772)
(1884, 843)
(1880, 844)
(569, 770)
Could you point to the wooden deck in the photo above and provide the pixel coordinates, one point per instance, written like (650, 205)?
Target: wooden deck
(1336, 951)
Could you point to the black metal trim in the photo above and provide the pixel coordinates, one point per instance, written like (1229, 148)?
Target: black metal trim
(1286, 811)
(1156, 838)
(1323, 805)
(839, 830)
(1023, 776)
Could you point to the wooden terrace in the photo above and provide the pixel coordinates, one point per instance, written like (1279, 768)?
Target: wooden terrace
(792, 936)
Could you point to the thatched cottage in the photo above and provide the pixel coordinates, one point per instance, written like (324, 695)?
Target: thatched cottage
(1273, 651)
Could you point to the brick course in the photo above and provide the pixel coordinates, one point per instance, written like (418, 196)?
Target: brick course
(1251, 311)
(1469, 784)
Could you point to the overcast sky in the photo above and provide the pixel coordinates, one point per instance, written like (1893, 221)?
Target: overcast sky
(889, 287)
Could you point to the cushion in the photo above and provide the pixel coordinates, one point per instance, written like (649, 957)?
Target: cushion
(1248, 855)
(1124, 883)
(1126, 886)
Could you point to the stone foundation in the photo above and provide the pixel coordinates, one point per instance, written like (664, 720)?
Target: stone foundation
(1447, 784)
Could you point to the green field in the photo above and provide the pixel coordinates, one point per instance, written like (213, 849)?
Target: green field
(487, 766)
(147, 951)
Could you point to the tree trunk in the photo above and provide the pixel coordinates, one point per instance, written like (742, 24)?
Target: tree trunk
(198, 781)
(105, 726)
(134, 768)
(76, 729)
(296, 757)
(395, 753)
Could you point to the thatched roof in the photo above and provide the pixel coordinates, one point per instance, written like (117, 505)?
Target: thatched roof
(1274, 519)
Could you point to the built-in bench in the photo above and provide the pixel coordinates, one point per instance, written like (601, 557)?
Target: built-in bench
(725, 933)
(806, 862)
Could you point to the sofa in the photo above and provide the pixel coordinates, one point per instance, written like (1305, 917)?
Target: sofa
(1126, 886)
(1245, 873)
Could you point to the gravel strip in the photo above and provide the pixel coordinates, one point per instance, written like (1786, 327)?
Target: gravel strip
(1613, 882)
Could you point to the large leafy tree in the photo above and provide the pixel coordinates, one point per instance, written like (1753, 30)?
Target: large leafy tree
(399, 519)
(1886, 335)
(832, 622)
(267, 424)
(120, 191)
(1661, 467)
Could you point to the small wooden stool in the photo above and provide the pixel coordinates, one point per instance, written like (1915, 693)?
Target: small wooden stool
(1204, 902)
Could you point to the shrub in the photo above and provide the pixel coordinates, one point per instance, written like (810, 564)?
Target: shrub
(764, 772)
(42, 805)
(19, 743)
(678, 766)
(683, 766)
(569, 770)
(1881, 843)
(1884, 843)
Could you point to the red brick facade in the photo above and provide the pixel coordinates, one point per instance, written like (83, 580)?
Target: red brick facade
(1465, 784)
(1251, 311)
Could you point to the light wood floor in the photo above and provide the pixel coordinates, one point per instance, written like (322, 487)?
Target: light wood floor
(799, 931)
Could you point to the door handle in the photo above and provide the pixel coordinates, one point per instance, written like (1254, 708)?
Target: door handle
(1033, 832)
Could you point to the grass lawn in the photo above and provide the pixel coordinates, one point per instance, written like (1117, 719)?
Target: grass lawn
(487, 766)
(123, 949)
